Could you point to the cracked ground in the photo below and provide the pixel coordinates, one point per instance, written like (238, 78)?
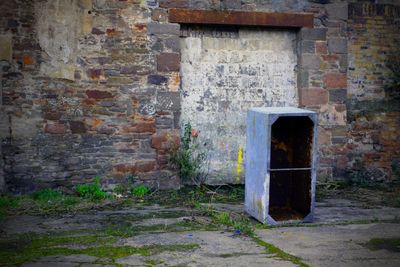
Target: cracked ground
(345, 233)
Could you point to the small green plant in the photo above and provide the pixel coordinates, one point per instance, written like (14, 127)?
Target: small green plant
(372, 179)
(124, 188)
(140, 191)
(190, 157)
(7, 202)
(91, 191)
(46, 195)
(236, 221)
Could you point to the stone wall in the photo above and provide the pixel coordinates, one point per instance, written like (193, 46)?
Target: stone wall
(83, 94)
(93, 87)
(374, 111)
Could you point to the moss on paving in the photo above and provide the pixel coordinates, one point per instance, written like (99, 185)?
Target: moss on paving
(30, 247)
(167, 214)
(278, 253)
(129, 231)
(390, 244)
(246, 227)
(102, 243)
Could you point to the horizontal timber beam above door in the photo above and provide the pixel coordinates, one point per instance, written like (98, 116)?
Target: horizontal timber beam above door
(241, 18)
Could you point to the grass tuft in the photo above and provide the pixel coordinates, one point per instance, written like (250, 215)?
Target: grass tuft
(278, 253)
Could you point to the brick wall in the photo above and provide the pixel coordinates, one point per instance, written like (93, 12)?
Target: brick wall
(92, 87)
(374, 113)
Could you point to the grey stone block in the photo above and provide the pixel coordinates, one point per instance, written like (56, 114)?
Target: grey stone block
(157, 79)
(343, 62)
(302, 78)
(339, 140)
(313, 34)
(173, 43)
(307, 46)
(200, 4)
(231, 4)
(168, 101)
(310, 61)
(337, 11)
(157, 28)
(337, 45)
(338, 95)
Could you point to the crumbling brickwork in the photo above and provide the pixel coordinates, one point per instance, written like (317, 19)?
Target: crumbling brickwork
(93, 87)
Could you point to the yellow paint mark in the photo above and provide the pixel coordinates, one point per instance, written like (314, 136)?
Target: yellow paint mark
(239, 164)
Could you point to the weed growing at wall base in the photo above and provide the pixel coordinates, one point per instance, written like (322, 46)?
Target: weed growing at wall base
(190, 157)
(140, 191)
(47, 194)
(92, 191)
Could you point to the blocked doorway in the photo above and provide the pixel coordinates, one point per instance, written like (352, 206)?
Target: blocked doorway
(225, 70)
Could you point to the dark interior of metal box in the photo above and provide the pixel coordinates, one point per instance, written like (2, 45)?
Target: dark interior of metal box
(290, 168)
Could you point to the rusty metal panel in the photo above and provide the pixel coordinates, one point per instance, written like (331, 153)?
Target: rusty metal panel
(241, 18)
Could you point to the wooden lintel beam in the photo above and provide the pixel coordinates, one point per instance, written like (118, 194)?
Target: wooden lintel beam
(241, 18)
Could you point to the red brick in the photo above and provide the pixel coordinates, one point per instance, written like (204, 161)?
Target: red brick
(165, 141)
(321, 48)
(324, 136)
(136, 167)
(95, 74)
(340, 107)
(139, 27)
(55, 128)
(52, 115)
(77, 127)
(145, 126)
(112, 32)
(140, 126)
(335, 81)
(341, 161)
(310, 97)
(168, 62)
(145, 165)
(27, 60)
(89, 101)
(330, 58)
(97, 94)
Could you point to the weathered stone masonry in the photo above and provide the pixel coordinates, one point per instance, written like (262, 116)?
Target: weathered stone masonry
(374, 118)
(94, 87)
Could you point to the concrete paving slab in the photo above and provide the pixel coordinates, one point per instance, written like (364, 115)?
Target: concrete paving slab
(335, 245)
